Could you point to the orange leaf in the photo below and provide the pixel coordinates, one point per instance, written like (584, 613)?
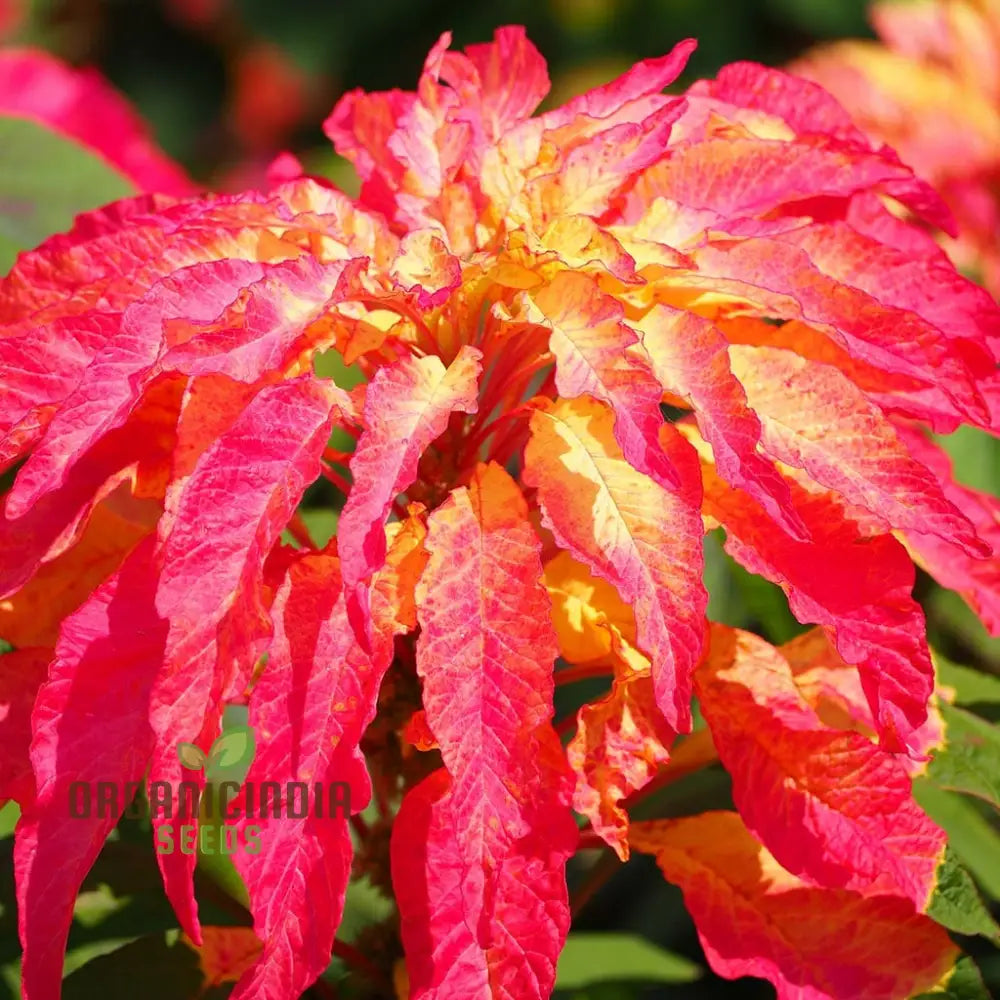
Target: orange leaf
(756, 919)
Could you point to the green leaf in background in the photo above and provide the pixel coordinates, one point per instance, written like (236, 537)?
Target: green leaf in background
(46, 180)
(975, 458)
(322, 524)
(976, 842)
(972, 687)
(152, 967)
(330, 364)
(823, 18)
(956, 903)
(951, 620)
(593, 958)
(742, 600)
(970, 759)
(964, 983)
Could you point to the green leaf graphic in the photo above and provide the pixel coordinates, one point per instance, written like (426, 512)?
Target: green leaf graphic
(190, 756)
(234, 748)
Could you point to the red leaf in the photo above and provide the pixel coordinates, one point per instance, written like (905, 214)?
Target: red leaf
(789, 284)
(691, 359)
(644, 540)
(505, 820)
(110, 387)
(56, 523)
(976, 579)
(90, 725)
(500, 83)
(22, 672)
(832, 807)
(210, 587)
(845, 443)
(753, 918)
(808, 109)
(621, 742)
(491, 930)
(591, 344)
(309, 710)
(638, 89)
(834, 691)
(227, 317)
(407, 406)
(857, 587)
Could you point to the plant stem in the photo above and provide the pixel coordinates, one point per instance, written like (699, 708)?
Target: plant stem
(335, 477)
(583, 672)
(565, 725)
(300, 532)
(360, 826)
(598, 876)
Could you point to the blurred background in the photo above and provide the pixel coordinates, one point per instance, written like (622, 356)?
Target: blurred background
(226, 85)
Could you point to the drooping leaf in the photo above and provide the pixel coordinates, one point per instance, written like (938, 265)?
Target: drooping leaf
(620, 743)
(754, 918)
(595, 355)
(831, 806)
(847, 445)
(630, 531)
(248, 319)
(833, 688)
(212, 596)
(520, 904)
(101, 672)
(32, 615)
(310, 708)
(691, 359)
(857, 587)
(406, 407)
(22, 673)
(502, 808)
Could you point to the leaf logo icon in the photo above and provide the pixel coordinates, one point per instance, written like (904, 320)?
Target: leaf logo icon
(191, 756)
(232, 748)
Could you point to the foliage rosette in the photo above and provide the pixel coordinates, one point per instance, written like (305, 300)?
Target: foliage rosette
(587, 336)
